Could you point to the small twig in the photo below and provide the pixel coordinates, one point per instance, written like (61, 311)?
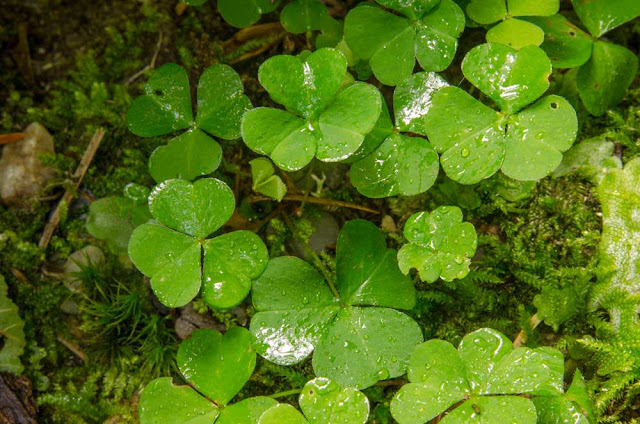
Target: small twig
(151, 64)
(285, 393)
(73, 348)
(521, 338)
(77, 177)
(317, 200)
(11, 138)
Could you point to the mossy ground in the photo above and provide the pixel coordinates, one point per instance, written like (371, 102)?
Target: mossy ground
(85, 69)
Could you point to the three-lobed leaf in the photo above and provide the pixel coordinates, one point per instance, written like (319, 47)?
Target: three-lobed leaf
(264, 179)
(325, 402)
(601, 16)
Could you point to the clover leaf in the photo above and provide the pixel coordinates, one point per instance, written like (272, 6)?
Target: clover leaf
(323, 119)
(510, 30)
(357, 337)
(601, 16)
(441, 245)
(179, 257)
(11, 333)
(397, 163)
(264, 180)
(216, 368)
(475, 141)
(574, 407)
(428, 31)
(566, 45)
(165, 107)
(301, 16)
(323, 402)
(483, 381)
(242, 13)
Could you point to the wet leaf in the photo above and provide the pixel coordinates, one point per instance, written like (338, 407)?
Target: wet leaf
(247, 411)
(413, 9)
(566, 45)
(282, 414)
(481, 351)
(516, 34)
(301, 16)
(162, 402)
(325, 402)
(489, 410)
(11, 333)
(601, 16)
(218, 366)
(264, 179)
(487, 11)
(412, 100)
(242, 13)
(437, 35)
(491, 11)
(605, 78)
(440, 244)
(572, 408)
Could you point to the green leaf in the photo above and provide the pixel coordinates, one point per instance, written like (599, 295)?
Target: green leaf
(512, 78)
(481, 351)
(113, 219)
(516, 34)
(529, 8)
(264, 180)
(413, 9)
(441, 245)
(305, 87)
(487, 11)
(382, 128)
(367, 270)
(489, 410)
(171, 259)
(566, 45)
(437, 36)
(601, 16)
(221, 102)
(166, 105)
(282, 414)
(579, 395)
(574, 407)
(365, 345)
(537, 137)
(190, 155)
(324, 402)
(605, 78)
(247, 411)
(242, 13)
(301, 16)
(194, 2)
(11, 333)
(231, 261)
(196, 209)
(469, 135)
(161, 402)
(412, 100)
(591, 159)
(400, 165)
(218, 366)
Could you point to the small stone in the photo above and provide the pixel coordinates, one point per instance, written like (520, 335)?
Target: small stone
(88, 255)
(190, 320)
(388, 224)
(22, 175)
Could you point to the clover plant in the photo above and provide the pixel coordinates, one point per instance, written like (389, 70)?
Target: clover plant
(165, 108)
(510, 30)
(441, 245)
(179, 255)
(114, 218)
(324, 118)
(357, 337)
(264, 180)
(12, 339)
(394, 163)
(301, 16)
(606, 70)
(426, 30)
(486, 380)
(242, 13)
(475, 141)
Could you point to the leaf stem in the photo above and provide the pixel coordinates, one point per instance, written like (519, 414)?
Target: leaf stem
(317, 200)
(285, 393)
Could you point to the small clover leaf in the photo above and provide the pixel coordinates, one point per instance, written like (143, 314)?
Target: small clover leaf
(601, 16)
(399, 163)
(483, 381)
(216, 367)
(264, 180)
(358, 339)
(166, 107)
(428, 32)
(282, 413)
(323, 120)
(242, 13)
(441, 245)
(573, 408)
(566, 45)
(11, 333)
(301, 16)
(527, 145)
(177, 255)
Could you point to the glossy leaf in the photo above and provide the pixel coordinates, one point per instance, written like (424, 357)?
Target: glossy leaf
(162, 402)
(264, 179)
(413, 9)
(11, 333)
(487, 11)
(516, 34)
(601, 16)
(242, 13)
(196, 209)
(437, 35)
(441, 245)
(301, 16)
(218, 366)
(512, 78)
(412, 100)
(572, 408)
(566, 45)
(529, 8)
(247, 411)
(282, 414)
(324, 402)
(231, 261)
(605, 78)
(166, 105)
(489, 410)
(188, 156)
